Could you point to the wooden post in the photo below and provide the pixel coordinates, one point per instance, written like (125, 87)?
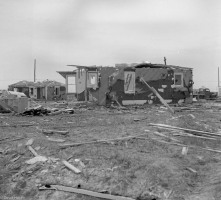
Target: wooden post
(158, 95)
(165, 60)
(34, 70)
(85, 92)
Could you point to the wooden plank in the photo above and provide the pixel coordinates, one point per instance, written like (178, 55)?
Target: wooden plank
(71, 167)
(99, 141)
(33, 151)
(158, 95)
(163, 135)
(84, 192)
(186, 129)
(182, 145)
(196, 136)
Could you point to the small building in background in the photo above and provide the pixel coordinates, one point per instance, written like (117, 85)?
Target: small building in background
(45, 90)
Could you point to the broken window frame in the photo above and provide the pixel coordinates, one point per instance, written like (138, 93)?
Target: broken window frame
(181, 81)
(129, 76)
(89, 83)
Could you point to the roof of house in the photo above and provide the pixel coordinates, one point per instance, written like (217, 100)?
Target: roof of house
(23, 84)
(51, 83)
(135, 65)
(150, 65)
(64, 73)
(36, 84)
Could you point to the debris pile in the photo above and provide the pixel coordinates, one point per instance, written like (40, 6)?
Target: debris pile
(145, 153)
(36, 111)
(40, 110)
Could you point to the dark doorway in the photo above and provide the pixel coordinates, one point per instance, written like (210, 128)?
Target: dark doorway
(38, 93)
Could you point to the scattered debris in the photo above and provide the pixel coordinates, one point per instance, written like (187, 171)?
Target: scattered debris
(184, 151)
(50, 132)
(56, 140)
(80, 163)
(163, 135)
(173, 143)
(37, 148)
(191, 170)
(47, 132)
(197, 132)
(4, 138)
(28, 144)
(99, 141)
(81, 191)
(36, 111)
(136, 119)
(71, 167)
(55, 113)
(36, 159)
(40, 111)
(16, 158)
(191, 115)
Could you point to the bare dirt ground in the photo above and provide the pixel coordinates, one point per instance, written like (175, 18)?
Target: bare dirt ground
(149, 166)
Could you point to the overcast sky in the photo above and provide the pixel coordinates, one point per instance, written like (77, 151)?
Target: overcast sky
(105, 32)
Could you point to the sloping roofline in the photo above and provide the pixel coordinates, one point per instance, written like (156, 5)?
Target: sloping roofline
(64, 73)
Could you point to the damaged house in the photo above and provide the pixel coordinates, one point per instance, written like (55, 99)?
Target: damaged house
(123, 83)
(45, 90)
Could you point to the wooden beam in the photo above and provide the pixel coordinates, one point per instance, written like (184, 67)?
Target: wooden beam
(84, 192)
(202, 133)
(99, 141)
(182, 145)
(158, 95)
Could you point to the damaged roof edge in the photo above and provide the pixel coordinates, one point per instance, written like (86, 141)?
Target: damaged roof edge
(134, 65)
(161, 66)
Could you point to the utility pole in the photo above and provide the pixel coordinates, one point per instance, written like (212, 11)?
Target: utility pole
(34, 70)
(218, 77)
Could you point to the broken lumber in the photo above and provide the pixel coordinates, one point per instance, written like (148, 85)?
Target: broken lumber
(33, 151)
(16, 158)
(49, 132)
(196, 136)
(98, 141)
(15, 125)
(28, 144)
(158, 95)
(5, 138)
(36, 159)
(163, 135)
(55, 113)
(191, 170)
(61, 132)
(184, 151)
(201, 133)
(56, 140)
(182, 145)
(71, 167)
(82, 191)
